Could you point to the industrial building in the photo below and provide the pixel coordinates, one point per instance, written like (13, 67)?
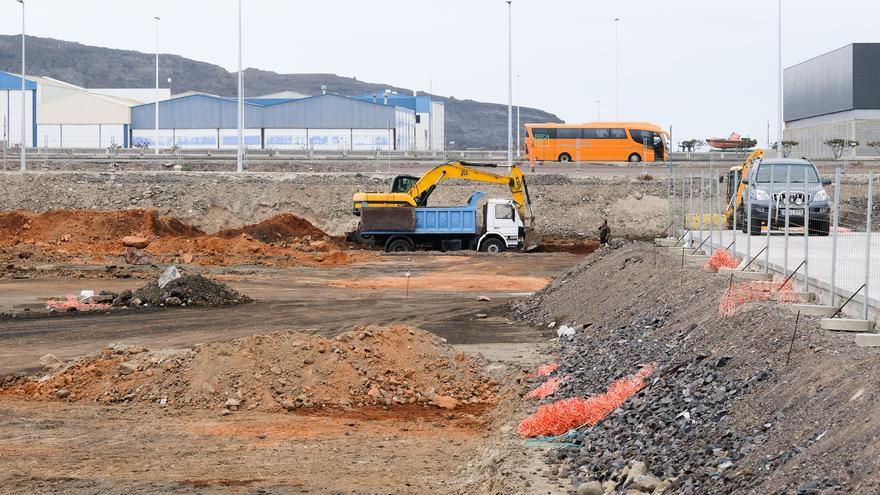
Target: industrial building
(10, 110)
(834, 96)
(430, 117)
(323, 122)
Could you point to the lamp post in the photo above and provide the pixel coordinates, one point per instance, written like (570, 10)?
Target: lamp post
(23, 100)
(518, 103)
(617, 68)
(598, 111)
(157, 19)
(239, 167)
(779, 85)
(509, 84)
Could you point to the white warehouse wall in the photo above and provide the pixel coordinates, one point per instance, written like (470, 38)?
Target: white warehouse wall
(438, 130)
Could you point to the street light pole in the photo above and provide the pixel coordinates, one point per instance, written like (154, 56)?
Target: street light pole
(617, 68)
(157, 85)
(240, 155)
(23, 100)
(509, 84)
(598, 111)
(518, 103)
(779, 88)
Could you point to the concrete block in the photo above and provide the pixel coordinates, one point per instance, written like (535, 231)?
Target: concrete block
(700, 258)
(665, 241)
(745, 275)
(811, 309)
(868, 339)
(803, 296)
(847, 325)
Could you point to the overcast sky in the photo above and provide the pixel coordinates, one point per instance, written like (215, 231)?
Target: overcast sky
(705, 67)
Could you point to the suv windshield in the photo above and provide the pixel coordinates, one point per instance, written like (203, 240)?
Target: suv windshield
(780, 173)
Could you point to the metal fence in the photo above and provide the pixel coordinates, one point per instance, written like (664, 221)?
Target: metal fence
(824, 231)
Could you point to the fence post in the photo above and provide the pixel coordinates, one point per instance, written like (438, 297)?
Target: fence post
(769, 221)
(672, 207)
(691, 204)
(868, 242)
(836, 214)
(787, 215)
(806, 235)
(711, 209)
(732, 202)
(702, 202)
(683, 223)
(720, 205)
(748, 206)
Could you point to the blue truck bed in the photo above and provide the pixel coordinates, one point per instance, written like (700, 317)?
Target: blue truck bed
(428, 220)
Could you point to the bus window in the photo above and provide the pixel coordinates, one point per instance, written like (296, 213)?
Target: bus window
(640, 136)
(544, 133)
(618, 134)
(596, 133)
(568, 133)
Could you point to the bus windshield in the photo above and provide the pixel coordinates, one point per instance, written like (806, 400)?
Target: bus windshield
(781, 171)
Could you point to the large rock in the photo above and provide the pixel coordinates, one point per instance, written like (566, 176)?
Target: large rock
(590, 488)
(50, 362)
(134, 241)
(170, 274)
(638, 469)
(645, 482)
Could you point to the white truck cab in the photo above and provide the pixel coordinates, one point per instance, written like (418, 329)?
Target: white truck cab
(503, 227)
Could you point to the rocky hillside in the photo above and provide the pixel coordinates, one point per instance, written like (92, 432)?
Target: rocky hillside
(469, 124)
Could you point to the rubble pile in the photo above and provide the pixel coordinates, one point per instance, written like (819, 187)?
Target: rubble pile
(368, 366)
(722, 412)
(187, 290)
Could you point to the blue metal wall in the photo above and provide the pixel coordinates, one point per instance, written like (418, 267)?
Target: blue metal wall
(195, 112)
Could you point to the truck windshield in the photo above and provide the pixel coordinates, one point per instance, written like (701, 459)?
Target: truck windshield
(780, 173)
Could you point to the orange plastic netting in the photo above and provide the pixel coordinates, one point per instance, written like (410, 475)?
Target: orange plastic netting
(546, 389)
(722, 258)
(73, 303)
(754, 291)
(544, 370)
(564, 415)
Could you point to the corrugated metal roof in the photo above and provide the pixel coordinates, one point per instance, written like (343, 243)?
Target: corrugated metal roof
(13, 82)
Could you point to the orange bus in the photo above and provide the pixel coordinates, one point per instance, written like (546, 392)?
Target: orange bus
(598, 141)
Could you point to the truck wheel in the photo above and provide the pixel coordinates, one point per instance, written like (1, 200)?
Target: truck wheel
(398, 245)
(493, 245)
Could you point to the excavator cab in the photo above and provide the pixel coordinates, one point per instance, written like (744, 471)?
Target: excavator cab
(403, 183)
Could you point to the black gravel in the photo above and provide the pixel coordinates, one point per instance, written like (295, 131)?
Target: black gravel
(192, 290)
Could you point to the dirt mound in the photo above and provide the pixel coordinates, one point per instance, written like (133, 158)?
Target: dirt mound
(80, 236)
(368, 366)
(192, 290)
(283, 227)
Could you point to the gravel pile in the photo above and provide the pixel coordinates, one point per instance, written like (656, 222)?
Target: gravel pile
(190, 290)
(722, 413)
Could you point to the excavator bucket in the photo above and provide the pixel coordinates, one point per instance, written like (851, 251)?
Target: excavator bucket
(531, 239)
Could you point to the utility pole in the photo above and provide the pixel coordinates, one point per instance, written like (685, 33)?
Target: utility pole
(157, 85)
(509, 84)
(779, 78)
(239, 167)
(617, 68)
(23, 100)
(518, 128)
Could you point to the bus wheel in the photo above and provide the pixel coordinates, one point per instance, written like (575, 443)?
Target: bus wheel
(634, 158)
(565, 158)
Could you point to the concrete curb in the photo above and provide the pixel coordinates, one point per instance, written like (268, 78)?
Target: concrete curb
(847, 325)
(741, 275)
(868, 340)
(811, 309)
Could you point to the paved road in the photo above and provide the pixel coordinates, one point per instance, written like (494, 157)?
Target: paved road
(850, 265)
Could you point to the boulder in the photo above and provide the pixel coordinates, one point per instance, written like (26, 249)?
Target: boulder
(590, 488)
(134, 241)
(50, 362)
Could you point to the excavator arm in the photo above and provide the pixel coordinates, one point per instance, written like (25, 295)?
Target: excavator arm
(737, 199)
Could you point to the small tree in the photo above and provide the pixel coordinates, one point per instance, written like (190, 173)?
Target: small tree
(747, 144)
(875, 145)
(786, 147)
(691, 145)
(838, 145)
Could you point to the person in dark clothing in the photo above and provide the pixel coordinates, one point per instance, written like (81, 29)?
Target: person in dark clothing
(604, 232)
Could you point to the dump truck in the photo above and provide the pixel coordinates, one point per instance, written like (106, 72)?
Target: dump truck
(444, 228)
(401, 220)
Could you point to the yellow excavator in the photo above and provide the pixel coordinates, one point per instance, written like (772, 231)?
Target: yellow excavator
(736, 187)
(414, 192)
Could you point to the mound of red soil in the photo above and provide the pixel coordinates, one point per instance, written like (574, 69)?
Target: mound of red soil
(280, 228)
(368, 366)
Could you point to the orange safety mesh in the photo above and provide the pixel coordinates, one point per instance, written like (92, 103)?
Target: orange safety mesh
(544, 370)
(565, 415)
(545, 389)
(722, 258)
(755, 291)
(73, 303)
